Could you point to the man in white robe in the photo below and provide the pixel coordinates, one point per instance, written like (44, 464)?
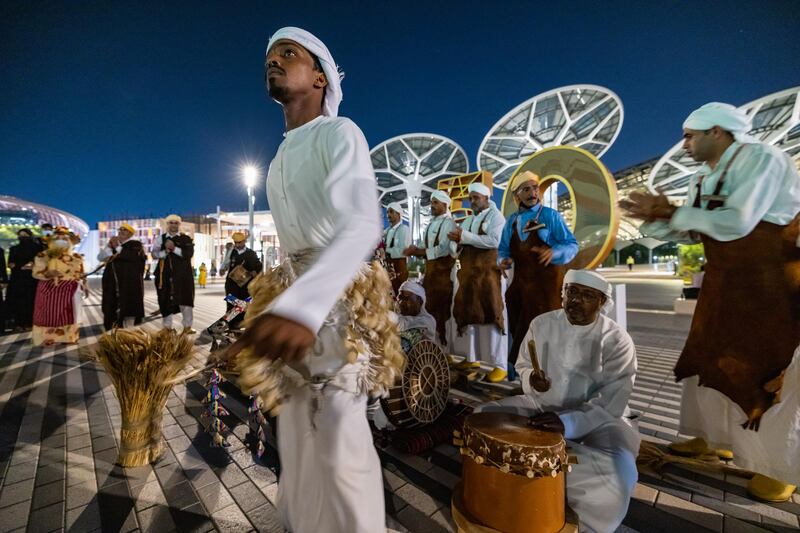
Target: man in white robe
(413, 314)
(439, 253)
(477, 330)
(323, 196)
(578, 382)
(743, 204)
(397, 238)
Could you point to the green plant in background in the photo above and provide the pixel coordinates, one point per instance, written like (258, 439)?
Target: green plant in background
(692, 257)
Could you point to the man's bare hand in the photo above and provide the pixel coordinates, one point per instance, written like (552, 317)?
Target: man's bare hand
(648, 207)
(275, 337)
(539, 381)
(113, 242)
(455, 235)
(169, 244)
(504, 265)
(545, 254)
(547, 421)
(414, 251)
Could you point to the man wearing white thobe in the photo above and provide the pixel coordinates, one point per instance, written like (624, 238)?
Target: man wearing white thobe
(323, 196)
(743, 204)
(578, 381)
(439, 253)
(477, 330)
(396, 239)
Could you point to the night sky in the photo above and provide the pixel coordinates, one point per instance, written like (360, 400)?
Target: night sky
(122, 108)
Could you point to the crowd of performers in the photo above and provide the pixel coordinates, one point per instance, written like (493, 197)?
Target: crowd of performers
(495, 290)
(576, 366)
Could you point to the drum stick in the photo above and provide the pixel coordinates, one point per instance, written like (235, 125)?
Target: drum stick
(534, 357)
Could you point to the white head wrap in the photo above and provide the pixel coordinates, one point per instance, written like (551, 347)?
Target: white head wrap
(442, 197)
(588, 278)
(396, 207)
(333, 92)
(725, 116)
(479, 188)
(174, 217)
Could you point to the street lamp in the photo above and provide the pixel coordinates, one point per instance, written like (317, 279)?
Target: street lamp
(250, 174)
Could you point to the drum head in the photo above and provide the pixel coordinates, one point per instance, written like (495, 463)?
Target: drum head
(508, 428)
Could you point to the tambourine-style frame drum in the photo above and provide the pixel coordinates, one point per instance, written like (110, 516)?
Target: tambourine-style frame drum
(513, 475)
(421, 396)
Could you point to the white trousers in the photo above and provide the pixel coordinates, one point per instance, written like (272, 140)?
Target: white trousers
(773, 450)
(331, 479)
(600, 486)
(187, 317)
(481, 342)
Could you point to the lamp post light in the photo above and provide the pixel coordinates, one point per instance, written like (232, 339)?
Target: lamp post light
(250, 174)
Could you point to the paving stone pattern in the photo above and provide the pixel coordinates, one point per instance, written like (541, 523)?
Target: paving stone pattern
(59, 431)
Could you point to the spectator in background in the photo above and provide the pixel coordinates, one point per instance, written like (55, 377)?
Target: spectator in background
(22, 285)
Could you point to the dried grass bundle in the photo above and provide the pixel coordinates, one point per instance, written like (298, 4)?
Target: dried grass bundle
(370, 330)
(142, 367)
(652, 456)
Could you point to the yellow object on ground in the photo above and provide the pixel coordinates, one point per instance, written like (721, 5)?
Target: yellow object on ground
(467, 365)
(698, 446)
(769, 489)
(496, 375)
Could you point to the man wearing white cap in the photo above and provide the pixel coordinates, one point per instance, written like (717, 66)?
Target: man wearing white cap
(743, 205)
(174, 276)
(577, 368)
(478, 309)
(396, 239)
(323, 196)
(413, 314)
(439, 253)
(123, 279)
(538, 244)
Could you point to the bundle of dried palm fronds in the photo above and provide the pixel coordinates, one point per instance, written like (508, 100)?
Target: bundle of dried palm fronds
(654, 457)
(142, 367)
(370, 331)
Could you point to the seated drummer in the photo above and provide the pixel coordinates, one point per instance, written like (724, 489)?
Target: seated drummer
(580, 386)
(413, 315)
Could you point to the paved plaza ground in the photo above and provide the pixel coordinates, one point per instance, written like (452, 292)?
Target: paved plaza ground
(60, 421)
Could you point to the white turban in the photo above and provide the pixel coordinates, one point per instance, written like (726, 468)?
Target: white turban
(479, 188)
(396, 207)
(170, 218)
(725, 116)
(414, 288)
(442, 197)
(588, 278)
(333, 93)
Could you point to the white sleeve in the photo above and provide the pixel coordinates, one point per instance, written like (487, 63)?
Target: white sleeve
(609, 400)
(661, 230)
(524, 366)
(493, 230)
(156, 251)
(177, 251)
(351, 188)
(756, 180)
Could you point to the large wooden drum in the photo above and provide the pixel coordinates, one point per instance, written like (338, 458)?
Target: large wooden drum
(513, 475)
(421, 395)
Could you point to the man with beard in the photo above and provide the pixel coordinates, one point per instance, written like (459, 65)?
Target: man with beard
(439, 253)
(478, 307)
(397, 238)
(323, 196)
(577, 368)
(743, 205)
(22, 285)
(537, 243)
(123, 279)
(174, 276)
(239, 278)
(411, 303)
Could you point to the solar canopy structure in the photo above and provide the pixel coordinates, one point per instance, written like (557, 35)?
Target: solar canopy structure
(408, 168)
(586, 116)
(776, 121)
